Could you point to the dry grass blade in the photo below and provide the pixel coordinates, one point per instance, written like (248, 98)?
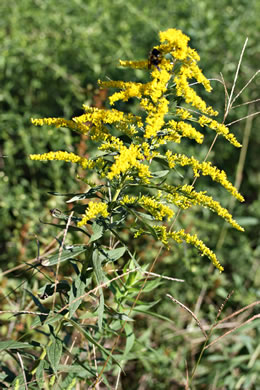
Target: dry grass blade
(232, 330)
(244, 117)
(23, 312)
(161, 276)
(246, 103)
(238, 312)
(223, 305)
(230, 102)
(190, 312)
(22, 366)
(247, 84)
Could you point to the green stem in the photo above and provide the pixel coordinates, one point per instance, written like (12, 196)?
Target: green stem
(121, 185)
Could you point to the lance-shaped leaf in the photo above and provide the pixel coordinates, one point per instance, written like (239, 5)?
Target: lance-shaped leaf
(67, 254)
(54, 351)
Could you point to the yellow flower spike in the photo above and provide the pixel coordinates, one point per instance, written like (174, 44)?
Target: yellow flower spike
(186, 130)
(134, 64)
(61, 122)
(128, 200)
(219, 128)
(204, 168)
(129, 90)
(187, 197)
(156, 208)
(181, 236)
(155, 118)
(183, 89)
(64, 156)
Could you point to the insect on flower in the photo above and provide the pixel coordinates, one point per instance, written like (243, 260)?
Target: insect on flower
(155, 58)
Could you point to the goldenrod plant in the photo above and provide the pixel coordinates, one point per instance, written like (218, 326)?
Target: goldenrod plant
(135, 162)
(133, 181)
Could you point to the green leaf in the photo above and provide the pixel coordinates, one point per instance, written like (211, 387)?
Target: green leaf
(70, 228)
(144, 215)
(130, 339)
(54, 352)
(152, 284)
(152, 314)
(100, 278)
(97, 232)
(48, 290)
(67, 254)
(143, 222)
(39, 375)
(162, 161)
(112, 254)
(12, 344)
(92, 193)
(37, 302)
(77, 369)
(160, 173)
(56, 213)
(59, 194)
(77, 290)
(100, 310)
(47, 320)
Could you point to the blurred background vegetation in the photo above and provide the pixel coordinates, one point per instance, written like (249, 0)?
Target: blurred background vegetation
(52, 54)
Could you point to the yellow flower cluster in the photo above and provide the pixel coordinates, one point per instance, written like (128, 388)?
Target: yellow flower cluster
(184, 114)
(94, 209)
(155, 88)
(162, 234)
(155, 207)
(186, 130)
(148, 152)
(64, 156)
(156, 106)
(190, 96)
(219, 128)
(186, 197)
(111, 145)
(174, 42)
(155, 118)
(129, 90)
(205, 168)
(134, 64)
(96, 119)
(61, 122)
(181, 236)
(128, 159)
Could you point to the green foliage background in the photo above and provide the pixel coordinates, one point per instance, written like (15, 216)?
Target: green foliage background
(52, 54)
